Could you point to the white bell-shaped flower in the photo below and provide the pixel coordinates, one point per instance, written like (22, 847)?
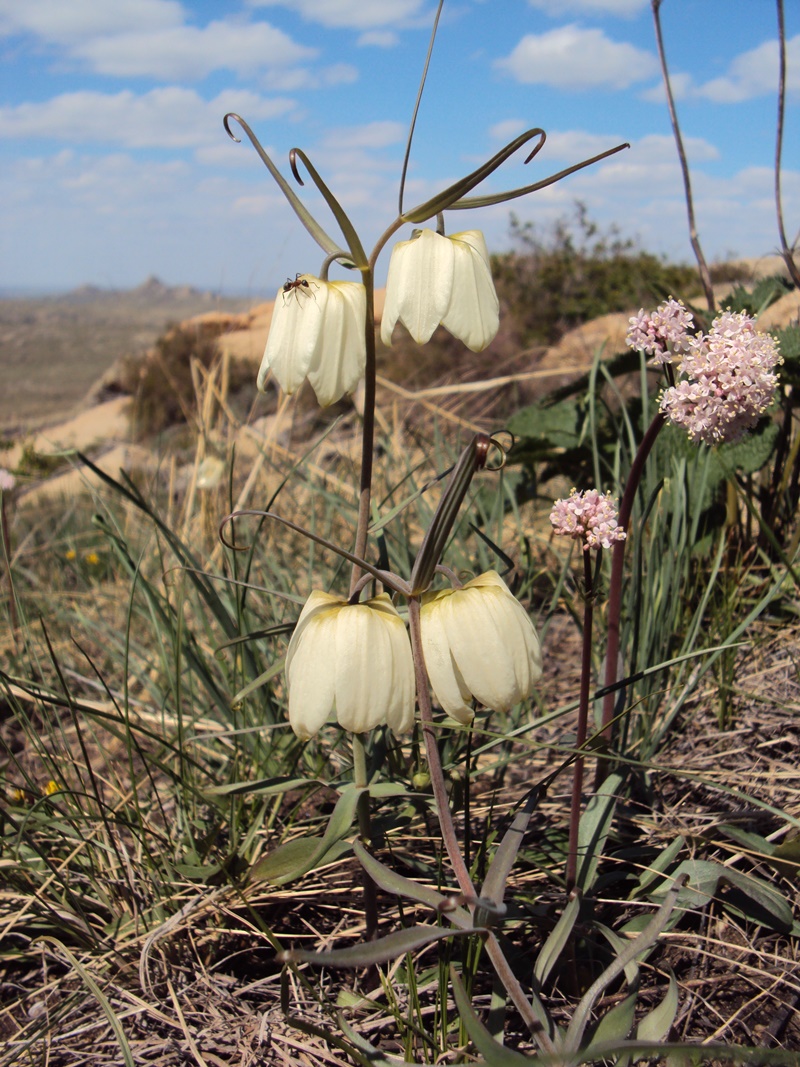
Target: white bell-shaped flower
(353, 659)
(317, 332)
(435, 280)
(478, 641)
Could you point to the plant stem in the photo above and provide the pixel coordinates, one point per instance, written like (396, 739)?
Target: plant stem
(615, 582)
(583, 718)
(786, 251)
(449, 836)
(705, 275)
(361, 781)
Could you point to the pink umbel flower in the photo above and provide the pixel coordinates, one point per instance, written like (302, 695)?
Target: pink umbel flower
(728, 381)
(590, 517)
(7, 480)
(663, 333)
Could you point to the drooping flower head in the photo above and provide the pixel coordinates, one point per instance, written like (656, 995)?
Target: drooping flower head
(435, 280)
(662, 333)
(317, 332)
(729, 381)
(478, 641)
(589, 517)
(352, 659)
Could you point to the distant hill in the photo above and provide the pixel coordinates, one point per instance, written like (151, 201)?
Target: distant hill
(53, 348)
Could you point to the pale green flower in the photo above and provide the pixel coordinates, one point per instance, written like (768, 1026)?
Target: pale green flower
(317, 332)
(479, 642)
(435, 280)
(353, 659)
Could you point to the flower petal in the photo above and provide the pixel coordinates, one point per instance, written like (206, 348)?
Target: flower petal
(339, 362)
(294, 335)
(473, 315)
(446, 679)
(419, 286)
(311, 665)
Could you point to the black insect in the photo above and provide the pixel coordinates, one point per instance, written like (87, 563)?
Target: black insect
(298, 286)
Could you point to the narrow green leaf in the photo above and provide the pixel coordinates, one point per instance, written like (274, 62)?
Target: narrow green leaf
(495, 1054)
(371, 953)
(262, 786)
(100, 996)
(494, 885)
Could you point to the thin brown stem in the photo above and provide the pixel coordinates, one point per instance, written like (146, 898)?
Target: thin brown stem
(705, 274)
(615, 583)
(449, 836)
(583, 719)
(786, 251)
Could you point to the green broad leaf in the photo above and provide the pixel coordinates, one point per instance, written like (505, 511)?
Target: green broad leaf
(392, 882)
(545, 428)
(296, 858)
(371, 953)
(617, 1023)
(387, 789)
(762, 903)
(751, 896)
(494, 885)
(786, 858)
(494, 1054)
(262, 786)
(748, 455)
(657, 1023)
(593, 830)
(556, 941)
(658, 868)
(750, 841)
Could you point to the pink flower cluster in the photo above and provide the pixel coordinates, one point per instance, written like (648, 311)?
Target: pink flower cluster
(662, 333)
(7, 480)
(729, 381)
(590, 517)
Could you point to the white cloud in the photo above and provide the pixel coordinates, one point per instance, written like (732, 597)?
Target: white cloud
(749, 75)
(190, 53)
(572, 57)
(755, 73)
(370, 135)
(171, 117)
(507, 130)
(623, 8)
(55, 20)
(303, 78)
(379, 39)
(351, 14)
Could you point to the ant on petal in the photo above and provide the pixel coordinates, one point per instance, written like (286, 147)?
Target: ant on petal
(298, 285)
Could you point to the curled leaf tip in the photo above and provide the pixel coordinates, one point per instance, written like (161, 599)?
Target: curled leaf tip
(293, 165)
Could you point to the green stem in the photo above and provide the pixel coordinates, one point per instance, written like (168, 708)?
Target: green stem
(361, 781)
(583, 718)
(368, 421)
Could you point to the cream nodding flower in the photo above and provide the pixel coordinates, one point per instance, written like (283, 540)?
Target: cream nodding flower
(435, 280)
(354, 659)
(478, 641)
(317, 332)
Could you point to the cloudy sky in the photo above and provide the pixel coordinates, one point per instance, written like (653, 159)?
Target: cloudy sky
(115, 164)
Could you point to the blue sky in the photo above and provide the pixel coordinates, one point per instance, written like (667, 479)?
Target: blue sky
(114, 163)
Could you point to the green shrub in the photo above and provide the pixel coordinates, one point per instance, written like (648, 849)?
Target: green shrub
(553, 282)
